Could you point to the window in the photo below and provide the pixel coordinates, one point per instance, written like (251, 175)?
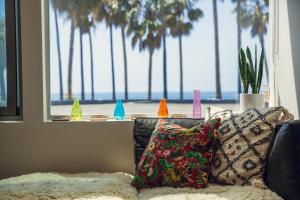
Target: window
(141, 51)
(9, 63)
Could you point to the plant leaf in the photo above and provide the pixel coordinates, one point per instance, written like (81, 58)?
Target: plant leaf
(255, 62)
(243, 71)
(260, 70)
(251, 77)
(249, 56)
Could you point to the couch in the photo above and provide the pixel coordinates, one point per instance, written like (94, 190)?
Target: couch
(282, 175)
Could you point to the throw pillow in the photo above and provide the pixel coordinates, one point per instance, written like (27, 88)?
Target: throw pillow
(244, 142)
(215, 112)
(178, 157)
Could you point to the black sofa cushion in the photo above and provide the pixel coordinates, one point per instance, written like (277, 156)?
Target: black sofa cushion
(143, 128)
(283, 164)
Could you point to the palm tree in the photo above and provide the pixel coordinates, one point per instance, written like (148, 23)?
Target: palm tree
(69, 9)
(81, 64)
(121, 11)
(110, 8)
(146, 31)
(92, 64)
(85, 23)
(112, 62)
(183, 15)
(239, 37)
(79, 13)
(162, 9)
(125, 63)
(260, 24)
(217, 53)
(255, 15)
(2, 59)
(61, 92)
(165, 81)
(70, 64)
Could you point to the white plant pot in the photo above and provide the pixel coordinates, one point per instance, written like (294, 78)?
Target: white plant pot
(251, 101)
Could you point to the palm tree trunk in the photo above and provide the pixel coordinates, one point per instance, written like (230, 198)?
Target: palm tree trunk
(125, 62)
(239, 35)
(217, 54)
(262, 43)
(70, 67)
(112, 62)
(165, 68)
(92, 64)
(81, 67)
(150, 75)
(61, 92)
(180, 67)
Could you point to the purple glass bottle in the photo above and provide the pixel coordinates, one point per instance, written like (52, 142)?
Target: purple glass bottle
(197, 113)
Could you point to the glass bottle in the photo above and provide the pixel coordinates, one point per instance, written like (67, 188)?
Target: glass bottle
(163, 108)
(119, 111)
(76, 113)
(197, 113)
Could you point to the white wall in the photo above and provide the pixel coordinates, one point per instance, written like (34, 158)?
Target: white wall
(34, 145)
(285, 53)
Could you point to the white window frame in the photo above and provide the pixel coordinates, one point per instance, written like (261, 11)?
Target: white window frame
(273, 39)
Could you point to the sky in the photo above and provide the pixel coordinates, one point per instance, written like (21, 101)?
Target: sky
(198, 56)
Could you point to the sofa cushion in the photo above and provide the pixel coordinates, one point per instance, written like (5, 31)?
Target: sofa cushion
(143, 128)
(283, 166)
(245, 139)
(178, 157)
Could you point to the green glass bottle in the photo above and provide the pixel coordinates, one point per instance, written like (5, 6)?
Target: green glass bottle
(76, 114)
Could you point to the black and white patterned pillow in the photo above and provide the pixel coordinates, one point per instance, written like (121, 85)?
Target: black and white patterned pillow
(244, 142)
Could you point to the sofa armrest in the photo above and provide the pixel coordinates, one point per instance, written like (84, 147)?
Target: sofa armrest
(283, 163)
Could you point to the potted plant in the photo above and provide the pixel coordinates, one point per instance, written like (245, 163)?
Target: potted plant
(251, 74)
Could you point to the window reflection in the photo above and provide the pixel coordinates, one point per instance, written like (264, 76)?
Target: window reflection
(3, 67)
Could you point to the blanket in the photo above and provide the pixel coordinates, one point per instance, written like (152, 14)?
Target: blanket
(115, 186)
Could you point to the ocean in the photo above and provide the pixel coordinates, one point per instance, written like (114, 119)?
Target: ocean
(155, 96)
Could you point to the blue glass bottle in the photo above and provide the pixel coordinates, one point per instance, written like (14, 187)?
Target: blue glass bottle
(119, 112)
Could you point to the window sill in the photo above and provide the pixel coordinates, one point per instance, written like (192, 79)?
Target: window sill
(10, 122)
(107, 118)
(89, 121)
(11, 119)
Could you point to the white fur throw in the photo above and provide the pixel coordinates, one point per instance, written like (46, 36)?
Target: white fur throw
(115, 186)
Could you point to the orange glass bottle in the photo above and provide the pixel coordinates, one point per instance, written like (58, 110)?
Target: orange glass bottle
(163, 108)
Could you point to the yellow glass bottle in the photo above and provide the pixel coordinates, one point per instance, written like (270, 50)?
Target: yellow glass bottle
(76, 114)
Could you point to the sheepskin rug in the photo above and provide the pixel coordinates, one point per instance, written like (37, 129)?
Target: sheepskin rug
(213, 192)
(115, 186)
(86, 186)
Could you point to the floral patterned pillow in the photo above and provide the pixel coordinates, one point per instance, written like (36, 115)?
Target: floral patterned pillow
(178, 157)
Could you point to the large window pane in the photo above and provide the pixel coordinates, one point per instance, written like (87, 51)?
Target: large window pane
(9, 60)
(140, 52)
(3, 67)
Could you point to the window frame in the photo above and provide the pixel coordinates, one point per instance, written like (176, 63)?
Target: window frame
(46, 61)
(13, 66)
(47, 116)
